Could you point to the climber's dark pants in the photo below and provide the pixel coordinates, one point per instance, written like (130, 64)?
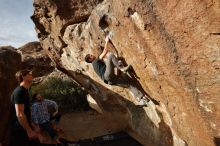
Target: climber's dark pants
(112, 79)
(110, 63)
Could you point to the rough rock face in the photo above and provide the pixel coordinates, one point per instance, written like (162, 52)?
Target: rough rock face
(10, 63)
(35, 58)
(173, 47)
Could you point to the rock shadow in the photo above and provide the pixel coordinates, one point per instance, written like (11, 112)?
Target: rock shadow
(117, 105)
(217, 141)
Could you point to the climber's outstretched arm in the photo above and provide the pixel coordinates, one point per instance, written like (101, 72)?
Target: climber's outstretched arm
(105, 51)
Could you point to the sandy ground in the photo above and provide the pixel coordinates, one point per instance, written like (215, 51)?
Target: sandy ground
(84, 125)
(87, 125)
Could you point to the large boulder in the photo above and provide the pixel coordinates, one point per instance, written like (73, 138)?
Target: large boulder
(10, 63)
(35, 58)
(174, 50)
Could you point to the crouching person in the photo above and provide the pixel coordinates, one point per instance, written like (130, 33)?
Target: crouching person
(41, 115)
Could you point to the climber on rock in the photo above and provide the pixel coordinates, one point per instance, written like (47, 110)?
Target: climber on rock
(104, 67)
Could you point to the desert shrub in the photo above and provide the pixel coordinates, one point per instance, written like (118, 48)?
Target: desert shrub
(66, 93)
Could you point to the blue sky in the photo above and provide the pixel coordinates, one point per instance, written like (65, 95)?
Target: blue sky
(16, 27)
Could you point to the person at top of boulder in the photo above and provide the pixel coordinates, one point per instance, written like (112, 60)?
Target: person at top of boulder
(104, 66)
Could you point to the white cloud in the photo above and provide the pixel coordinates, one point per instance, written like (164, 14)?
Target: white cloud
(32, 34)
(16, 26)
(18, 38)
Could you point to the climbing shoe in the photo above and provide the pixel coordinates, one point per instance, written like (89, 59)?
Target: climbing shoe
(125, 69)
(141, 103)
